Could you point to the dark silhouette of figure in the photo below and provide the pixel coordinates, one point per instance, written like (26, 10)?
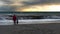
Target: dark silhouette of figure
(17, 20)
(14, 19)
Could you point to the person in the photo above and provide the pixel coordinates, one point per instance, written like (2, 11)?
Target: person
(17, 20)
(14, 19)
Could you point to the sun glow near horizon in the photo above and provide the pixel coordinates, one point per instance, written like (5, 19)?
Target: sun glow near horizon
(41, 8)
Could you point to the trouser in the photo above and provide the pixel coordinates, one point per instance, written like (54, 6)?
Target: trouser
(14, 21)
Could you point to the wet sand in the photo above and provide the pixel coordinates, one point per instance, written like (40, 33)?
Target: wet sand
(52, 28)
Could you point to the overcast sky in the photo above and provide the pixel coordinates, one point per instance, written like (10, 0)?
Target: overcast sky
(30, 1)
(5, 4)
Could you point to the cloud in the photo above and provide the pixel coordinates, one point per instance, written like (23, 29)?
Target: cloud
(25, 3)
(36, 2)
(7, 1)
(6, 8)
(41, 2)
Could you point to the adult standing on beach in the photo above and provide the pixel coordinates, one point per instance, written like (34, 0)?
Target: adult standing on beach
(14, 19)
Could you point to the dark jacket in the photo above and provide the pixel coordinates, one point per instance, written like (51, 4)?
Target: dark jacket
(14, 18)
